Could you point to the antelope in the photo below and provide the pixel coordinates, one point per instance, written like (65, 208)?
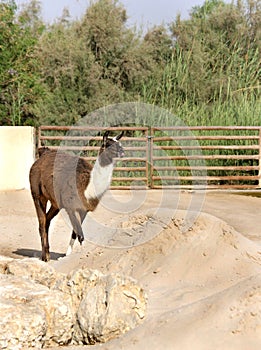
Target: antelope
(70, 182)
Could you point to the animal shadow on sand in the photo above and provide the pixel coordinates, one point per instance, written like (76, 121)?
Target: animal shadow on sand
(33, 253)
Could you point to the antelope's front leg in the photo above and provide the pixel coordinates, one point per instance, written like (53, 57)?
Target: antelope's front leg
(71, 244)
(45, 243)
(76, 221)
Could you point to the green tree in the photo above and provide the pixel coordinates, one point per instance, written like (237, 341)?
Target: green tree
(215, 60)
(206, 9)
(208, 64)
(89, 63)
(30, 17)
(68, 72)
(160, 43)
(119, 50)
(19, 79)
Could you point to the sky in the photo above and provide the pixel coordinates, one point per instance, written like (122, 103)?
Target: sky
(140, 12)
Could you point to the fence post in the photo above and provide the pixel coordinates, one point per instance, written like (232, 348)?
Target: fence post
(38, 140)
(149, 158)
(259, 161)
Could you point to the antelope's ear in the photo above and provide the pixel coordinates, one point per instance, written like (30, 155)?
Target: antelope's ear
(105, 136)
(119, 136)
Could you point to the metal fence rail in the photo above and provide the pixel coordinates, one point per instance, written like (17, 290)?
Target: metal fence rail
(174, 157)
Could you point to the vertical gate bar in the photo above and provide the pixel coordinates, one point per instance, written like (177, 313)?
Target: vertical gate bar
(147, 157)
(151, 130)
(149, 169)
(259, 161)
(39, 137)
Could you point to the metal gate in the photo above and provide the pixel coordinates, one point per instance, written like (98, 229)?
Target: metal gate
(171, 157)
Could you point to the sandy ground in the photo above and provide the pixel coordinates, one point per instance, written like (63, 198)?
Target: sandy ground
(196, 254)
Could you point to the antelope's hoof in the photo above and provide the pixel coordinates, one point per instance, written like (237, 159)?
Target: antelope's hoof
(46, 258)
(80, 239)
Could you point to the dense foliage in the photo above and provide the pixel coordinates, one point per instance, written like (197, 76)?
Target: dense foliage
(205, 69)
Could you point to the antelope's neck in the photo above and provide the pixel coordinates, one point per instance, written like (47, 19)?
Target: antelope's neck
(100, 180)
(105, 158)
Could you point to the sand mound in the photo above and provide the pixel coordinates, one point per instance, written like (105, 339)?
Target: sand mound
(203, 280)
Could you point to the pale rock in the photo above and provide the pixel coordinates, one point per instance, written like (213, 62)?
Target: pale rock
(34, 269)
(77, 282)
(106, 305)
(111, 306)
(32, 314)
(40, 307)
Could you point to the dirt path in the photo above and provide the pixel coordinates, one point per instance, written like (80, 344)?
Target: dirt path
(19, 227)
(197, 255)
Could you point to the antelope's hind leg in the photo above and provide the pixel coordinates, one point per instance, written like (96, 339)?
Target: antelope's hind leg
(52, 212)
(78, 220)
(40, 205)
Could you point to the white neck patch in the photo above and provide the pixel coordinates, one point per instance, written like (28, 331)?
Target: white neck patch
(100, 180)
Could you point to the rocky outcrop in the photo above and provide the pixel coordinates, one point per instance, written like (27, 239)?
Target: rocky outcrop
(32, 314)
(40, 307)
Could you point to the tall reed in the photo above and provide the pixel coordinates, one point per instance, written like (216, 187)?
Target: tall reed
(228, 93)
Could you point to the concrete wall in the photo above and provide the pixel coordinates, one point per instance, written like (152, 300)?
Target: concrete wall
(17, 150)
